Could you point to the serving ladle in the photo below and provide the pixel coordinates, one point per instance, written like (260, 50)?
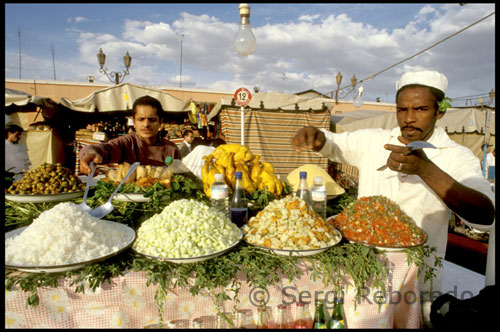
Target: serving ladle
(416, 145)
(84, 205)
(107, 207)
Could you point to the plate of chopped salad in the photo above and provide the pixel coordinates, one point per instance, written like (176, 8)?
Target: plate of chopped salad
(378, 222)
(187, 231)
(289, 227)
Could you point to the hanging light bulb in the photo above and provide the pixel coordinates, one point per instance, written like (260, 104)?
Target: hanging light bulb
(244, 43)
(358, 100)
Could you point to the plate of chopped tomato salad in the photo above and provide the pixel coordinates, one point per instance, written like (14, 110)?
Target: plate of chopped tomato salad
(379, 222)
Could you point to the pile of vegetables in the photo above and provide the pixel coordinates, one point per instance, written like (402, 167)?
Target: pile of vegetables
(290, 224)
(227, 159)
(377, 220)
(145, 176)
(186, 228)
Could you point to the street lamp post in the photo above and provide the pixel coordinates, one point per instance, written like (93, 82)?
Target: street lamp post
(339, 80)
(116, 76)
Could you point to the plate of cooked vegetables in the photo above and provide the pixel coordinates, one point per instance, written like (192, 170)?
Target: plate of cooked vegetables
(145, 176)
(46, 183)
(378, 222)
(288, 226)
(187, 231)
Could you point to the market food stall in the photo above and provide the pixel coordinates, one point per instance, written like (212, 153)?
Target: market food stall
(180, 260)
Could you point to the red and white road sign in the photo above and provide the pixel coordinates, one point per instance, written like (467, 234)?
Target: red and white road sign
(242, 96)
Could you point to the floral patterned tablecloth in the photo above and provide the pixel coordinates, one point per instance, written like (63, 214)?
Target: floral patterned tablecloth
(128, 303)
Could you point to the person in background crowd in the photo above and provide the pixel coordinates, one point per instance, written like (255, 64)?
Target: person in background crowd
(144, 145)
(16, 154)
(194, 160)
(216, 142)
(185, 146)
(426, 184)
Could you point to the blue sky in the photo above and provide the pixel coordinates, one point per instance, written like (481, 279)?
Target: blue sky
(299, 46)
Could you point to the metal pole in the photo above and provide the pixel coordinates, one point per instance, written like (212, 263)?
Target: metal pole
(19, 34)
(53, 62)
(486, 139)
(242, 110)
(180, 70)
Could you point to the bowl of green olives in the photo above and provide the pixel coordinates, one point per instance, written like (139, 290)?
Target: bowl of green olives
(46, 183)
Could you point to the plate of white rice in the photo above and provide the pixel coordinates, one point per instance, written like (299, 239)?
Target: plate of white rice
(65, 238)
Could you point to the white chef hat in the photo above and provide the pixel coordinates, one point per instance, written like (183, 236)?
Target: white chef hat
(426, 77)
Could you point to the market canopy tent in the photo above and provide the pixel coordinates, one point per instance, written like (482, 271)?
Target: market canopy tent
(121, 98)
(19, 102)
(466, 126)
(271, 121)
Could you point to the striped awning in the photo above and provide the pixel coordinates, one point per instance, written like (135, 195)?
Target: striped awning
(269, 133)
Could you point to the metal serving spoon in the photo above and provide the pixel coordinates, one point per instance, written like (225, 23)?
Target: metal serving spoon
(416, 145)
(107, 207)
(84, 205)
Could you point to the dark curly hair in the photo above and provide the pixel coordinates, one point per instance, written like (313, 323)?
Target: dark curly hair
(149, 101)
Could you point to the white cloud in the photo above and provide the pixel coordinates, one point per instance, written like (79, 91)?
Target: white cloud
(308, 18)
(77, 19)
(80, 19)
(310, 49)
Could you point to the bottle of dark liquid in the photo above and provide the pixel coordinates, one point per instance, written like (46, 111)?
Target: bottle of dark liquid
(238, 206)
(321, 316)
(338, 317)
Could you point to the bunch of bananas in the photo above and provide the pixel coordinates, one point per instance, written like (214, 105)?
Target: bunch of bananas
(227, 159)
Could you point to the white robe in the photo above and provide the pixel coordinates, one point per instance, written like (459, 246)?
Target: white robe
(365, 150)
(194, 160)
(16, 157)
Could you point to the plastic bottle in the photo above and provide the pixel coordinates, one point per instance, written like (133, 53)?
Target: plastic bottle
(338, 317)
(284, 320)
(238, 206)
(263, 318)
(303, 190)
(219, 194)
(318, 197)
(304, 319)
(197, 323)
(245, 319)
(321, 316)
(172, 324)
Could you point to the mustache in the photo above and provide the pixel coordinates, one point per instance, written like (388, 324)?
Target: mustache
(411, 127)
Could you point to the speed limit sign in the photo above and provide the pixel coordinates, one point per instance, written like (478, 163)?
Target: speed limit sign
(242, 97)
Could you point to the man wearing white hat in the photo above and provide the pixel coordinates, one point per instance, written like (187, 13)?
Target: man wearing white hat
(426, 183)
